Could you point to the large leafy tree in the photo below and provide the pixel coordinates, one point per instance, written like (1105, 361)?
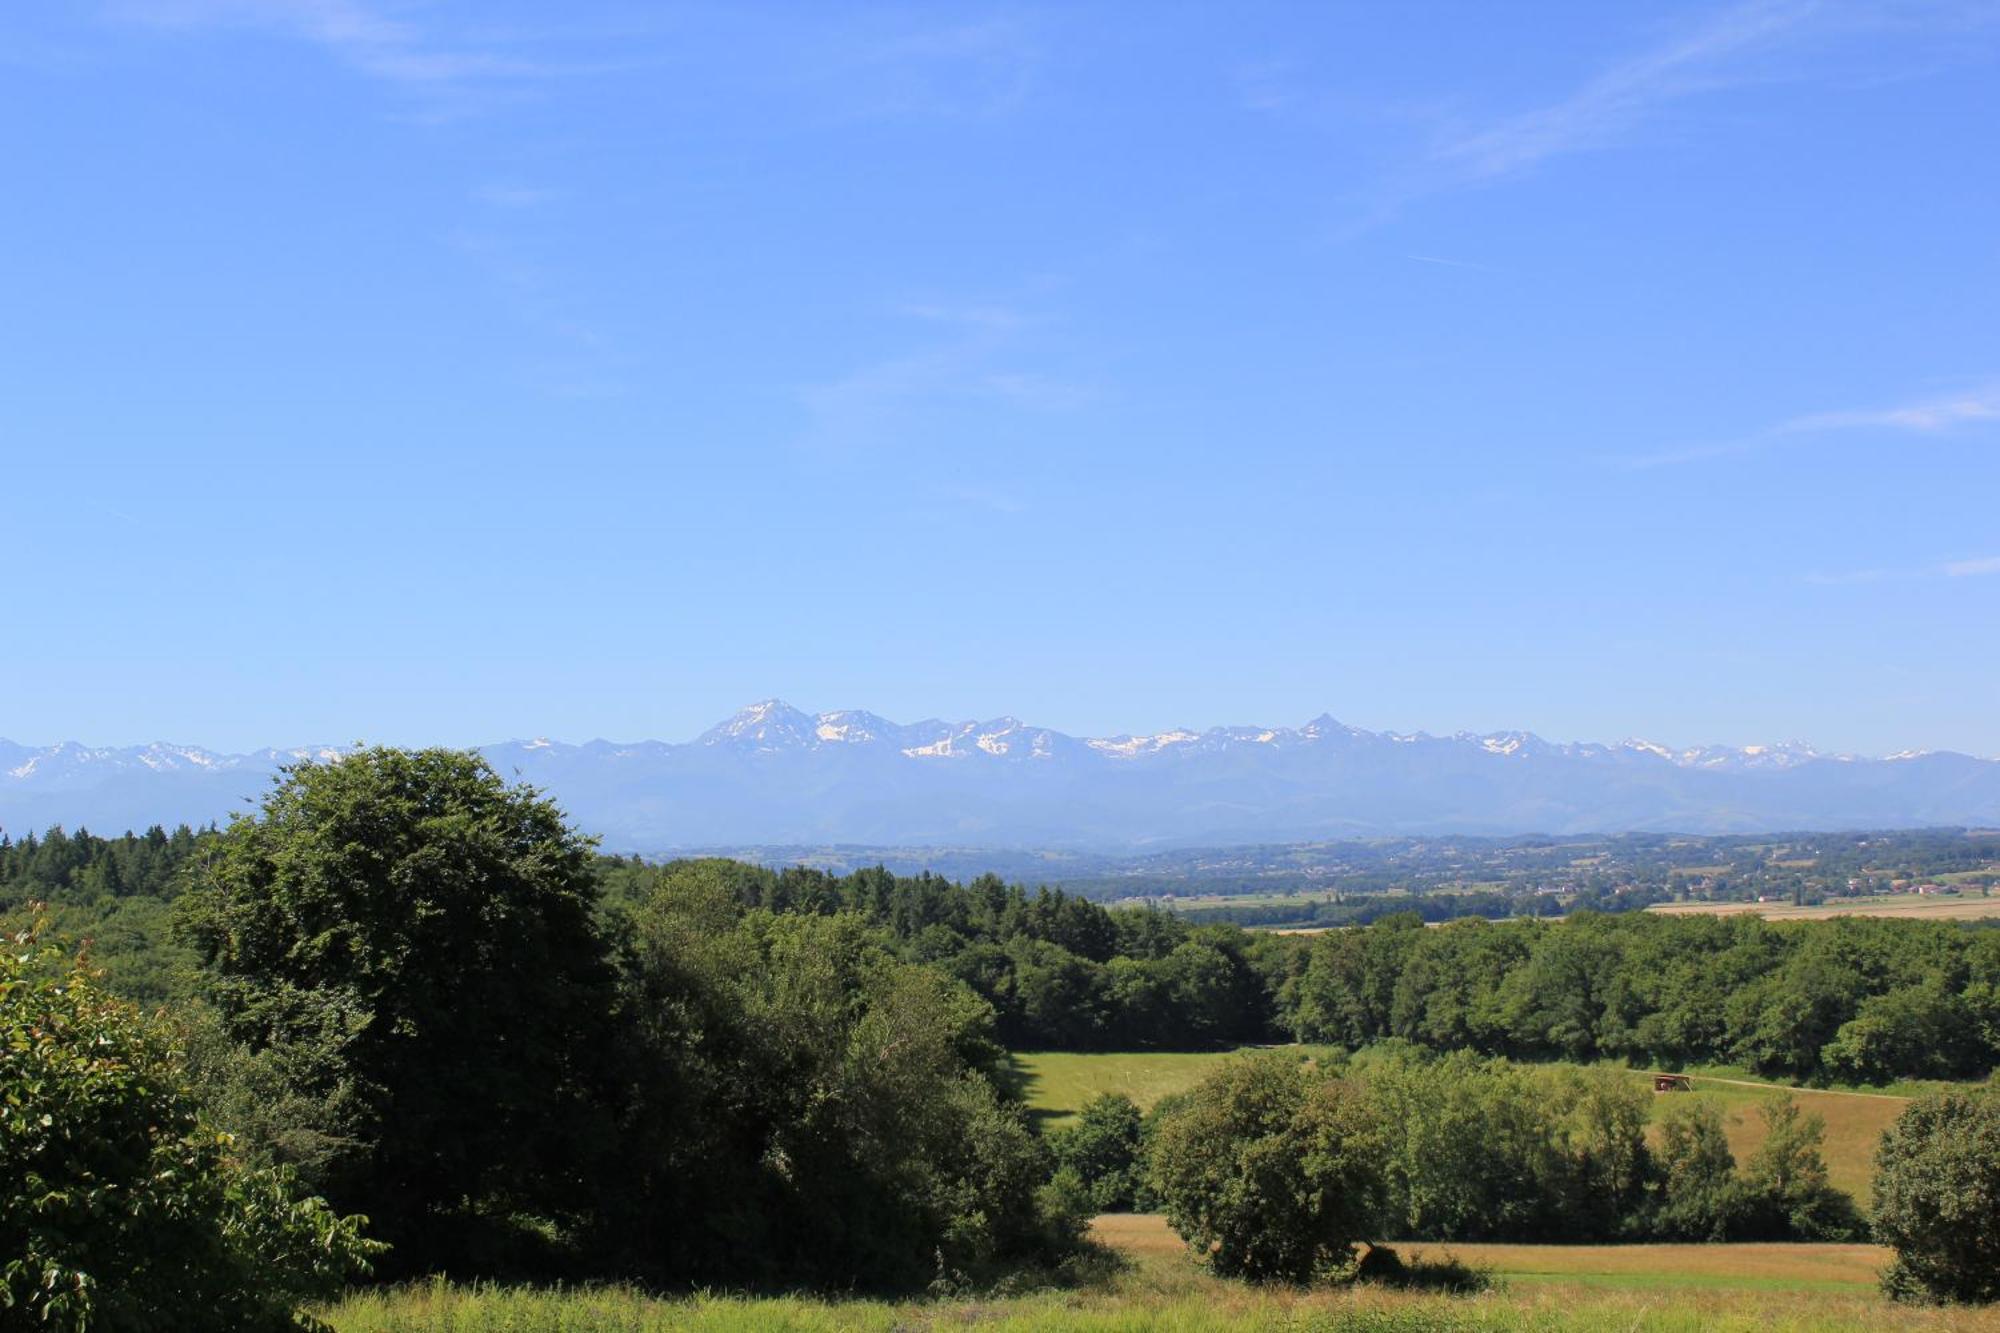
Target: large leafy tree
(1270, 1170)
(403, 937)
(1699, 1195)
(120, 1208)
(1786, 1191)
(1937, 1197)
(809, 1109)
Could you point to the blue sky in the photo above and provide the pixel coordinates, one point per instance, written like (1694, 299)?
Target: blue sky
(437, 372)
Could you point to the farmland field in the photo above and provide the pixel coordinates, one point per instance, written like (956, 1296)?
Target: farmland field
(1923, 908)
(1057, 1084)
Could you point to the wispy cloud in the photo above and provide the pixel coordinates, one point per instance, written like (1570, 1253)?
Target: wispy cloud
(1610, 103)
(978, 355)
(512, 195)
(1928, 416)
(1949, 569)
(1605, 108)
(365, 39)
(1267, 85)
(1849, 577)
(1452, 263)
(982, 70)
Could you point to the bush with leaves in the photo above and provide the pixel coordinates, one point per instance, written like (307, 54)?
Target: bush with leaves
(1104, 1151)
(807, 1109)
(1937, 1198)
(1472, 1148)
(406, 938)
(1270, 1170)
(1699, 1196)
(120, 1208)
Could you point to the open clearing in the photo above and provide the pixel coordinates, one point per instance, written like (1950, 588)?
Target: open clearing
(1938, 907)
(1057, 1084)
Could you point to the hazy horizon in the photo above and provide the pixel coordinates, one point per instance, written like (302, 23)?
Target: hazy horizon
(988, 716)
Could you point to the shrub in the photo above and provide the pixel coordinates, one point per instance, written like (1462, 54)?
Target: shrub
(119, 1207)
(1104, 1150)
(1937, 1198)
(1270, 1170)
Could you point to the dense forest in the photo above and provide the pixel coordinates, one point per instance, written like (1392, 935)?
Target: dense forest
(1851, 999)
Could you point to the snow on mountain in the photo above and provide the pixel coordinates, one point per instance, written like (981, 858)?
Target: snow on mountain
(775, 774)
(770, 725)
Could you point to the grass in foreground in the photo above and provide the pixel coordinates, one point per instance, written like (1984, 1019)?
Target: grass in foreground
(1171, 1294)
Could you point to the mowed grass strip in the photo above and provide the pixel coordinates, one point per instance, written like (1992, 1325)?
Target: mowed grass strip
(1758, 1265)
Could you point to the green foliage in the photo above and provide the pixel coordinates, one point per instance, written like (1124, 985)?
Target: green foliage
(1060, 973)
(119, 1207)
(1937, 1198)
(115, 893)
(1270, 1170)
(1922, 1031)
(1485, 1150)
(82, 869)
(1470, 1146)
(1865, 1000)
(1105, 1150)
(1699, 1198)
(809, 1108)
(1786, 1194)
(404, 940)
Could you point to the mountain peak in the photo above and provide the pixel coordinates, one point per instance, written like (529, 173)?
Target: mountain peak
(771, 724)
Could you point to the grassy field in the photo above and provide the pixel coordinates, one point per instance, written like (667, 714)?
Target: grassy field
(1158, 1289)
(1925, 908)
(1057, 1084)
(1850, 1268)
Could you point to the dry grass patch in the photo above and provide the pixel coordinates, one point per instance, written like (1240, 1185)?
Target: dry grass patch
(1854, 1124)
(1146, 1236)
(1919, 907)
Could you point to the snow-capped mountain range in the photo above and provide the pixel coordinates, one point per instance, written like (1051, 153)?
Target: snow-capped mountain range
(773, 774)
